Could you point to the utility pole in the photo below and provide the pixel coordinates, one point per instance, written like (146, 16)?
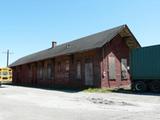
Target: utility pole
(7, 58)
(8, 55)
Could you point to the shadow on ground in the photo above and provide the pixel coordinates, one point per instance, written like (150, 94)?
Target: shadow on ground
(63, 89)
(3, 86)
(129, 91)
(75, 90)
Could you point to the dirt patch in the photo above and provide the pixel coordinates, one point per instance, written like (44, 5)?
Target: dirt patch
(104, 101)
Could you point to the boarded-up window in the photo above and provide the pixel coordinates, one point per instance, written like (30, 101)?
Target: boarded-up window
(78, 70)
(49, 71)
(67, 65)
(40, 71)
(59, 67)
(124, 68)
(112, 69)
(45, 77)
(29, 72)
(89, 74)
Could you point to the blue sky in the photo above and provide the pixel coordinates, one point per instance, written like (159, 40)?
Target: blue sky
(27, 26)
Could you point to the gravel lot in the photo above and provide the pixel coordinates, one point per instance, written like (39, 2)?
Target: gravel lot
(22, 103)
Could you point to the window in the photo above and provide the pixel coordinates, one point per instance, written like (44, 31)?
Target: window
(124, 68)
(112, 70)
(29, 72)
(10, 73)
(89, 74)
(40, 72)
(49, 71)
(78, 70)
(5, 73)
(59, 67)
(67, 65)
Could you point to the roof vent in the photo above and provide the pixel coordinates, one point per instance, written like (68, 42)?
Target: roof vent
(54, 44)
(68, 46)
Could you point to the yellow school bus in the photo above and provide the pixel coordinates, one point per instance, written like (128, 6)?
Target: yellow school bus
(5, 75)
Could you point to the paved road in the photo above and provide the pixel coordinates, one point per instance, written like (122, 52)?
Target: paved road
(22, 103)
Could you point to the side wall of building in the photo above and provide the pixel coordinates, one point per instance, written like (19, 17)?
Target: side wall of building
(96, 68)
(67, 71)
(111, 61)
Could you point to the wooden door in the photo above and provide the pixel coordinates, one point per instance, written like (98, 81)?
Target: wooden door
(89, 74)
(33, 74)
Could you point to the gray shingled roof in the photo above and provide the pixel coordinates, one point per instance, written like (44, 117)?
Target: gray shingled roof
(86, 43)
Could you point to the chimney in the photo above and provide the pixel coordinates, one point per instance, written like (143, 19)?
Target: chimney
(54, 44)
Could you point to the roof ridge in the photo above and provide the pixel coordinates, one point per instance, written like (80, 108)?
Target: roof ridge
(123, 25)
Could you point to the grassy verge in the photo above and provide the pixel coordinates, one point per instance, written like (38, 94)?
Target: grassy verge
(108, 90)
(98, 90)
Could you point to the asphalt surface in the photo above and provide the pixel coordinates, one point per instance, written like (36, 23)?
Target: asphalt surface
(22, 103)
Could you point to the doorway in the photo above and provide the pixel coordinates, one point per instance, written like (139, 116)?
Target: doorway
(89, 74)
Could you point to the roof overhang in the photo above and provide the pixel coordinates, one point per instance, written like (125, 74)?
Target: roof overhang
(130, 39)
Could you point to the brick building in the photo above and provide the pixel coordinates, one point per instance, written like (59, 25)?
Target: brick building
(98, 60)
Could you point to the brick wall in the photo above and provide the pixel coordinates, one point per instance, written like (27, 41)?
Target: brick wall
(64, 77)
(60, 77)
(117, 48)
